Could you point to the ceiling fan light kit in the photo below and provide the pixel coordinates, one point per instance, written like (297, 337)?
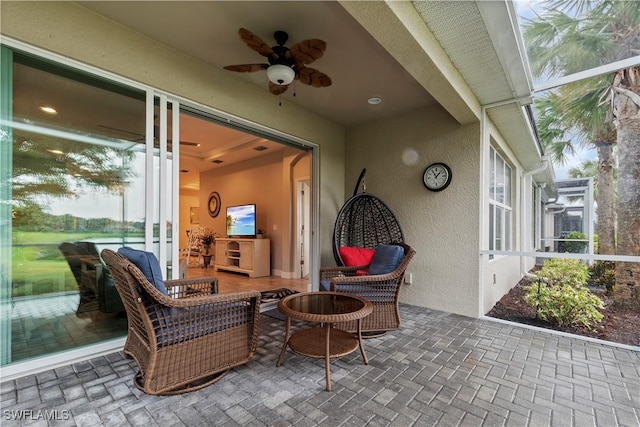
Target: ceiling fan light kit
(280, 74)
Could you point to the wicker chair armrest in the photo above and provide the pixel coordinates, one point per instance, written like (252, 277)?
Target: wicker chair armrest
(208, 299)
(190, 288)
(199, 286)
(379, 278)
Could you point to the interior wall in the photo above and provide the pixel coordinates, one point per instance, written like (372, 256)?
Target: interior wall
(441, 226)
(188, 199)
(296, 165)
(258, 181)
(72, 31)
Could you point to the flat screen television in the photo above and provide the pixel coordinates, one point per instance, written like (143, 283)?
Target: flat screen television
(241, 221)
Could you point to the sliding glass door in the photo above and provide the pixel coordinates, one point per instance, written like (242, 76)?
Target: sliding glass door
(86, 165)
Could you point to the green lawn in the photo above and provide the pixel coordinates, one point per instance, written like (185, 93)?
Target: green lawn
(38, 266)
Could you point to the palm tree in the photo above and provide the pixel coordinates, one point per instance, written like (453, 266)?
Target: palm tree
(579, 34)
(572, 115)
(590, 114)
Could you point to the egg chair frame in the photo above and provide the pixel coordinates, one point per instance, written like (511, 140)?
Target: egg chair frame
(364, 221)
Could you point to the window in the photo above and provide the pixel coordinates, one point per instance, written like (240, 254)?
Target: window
(500, 212)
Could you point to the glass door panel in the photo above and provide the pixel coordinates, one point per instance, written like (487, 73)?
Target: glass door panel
(77, 180)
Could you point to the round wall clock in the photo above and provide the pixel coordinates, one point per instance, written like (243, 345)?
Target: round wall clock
(437, 177)
(213, 204)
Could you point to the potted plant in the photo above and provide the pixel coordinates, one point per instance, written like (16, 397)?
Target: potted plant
(260, 233)
(207, 238)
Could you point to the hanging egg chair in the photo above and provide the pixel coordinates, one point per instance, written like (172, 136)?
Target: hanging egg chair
(364, 221)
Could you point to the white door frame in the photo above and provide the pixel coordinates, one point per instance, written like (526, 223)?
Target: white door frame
(303, 228)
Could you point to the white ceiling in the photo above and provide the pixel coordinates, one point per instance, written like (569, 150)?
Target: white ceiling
(208, 31)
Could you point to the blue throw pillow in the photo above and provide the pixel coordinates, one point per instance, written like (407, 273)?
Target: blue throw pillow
(148, 265)
(325, 285)
(386, 259)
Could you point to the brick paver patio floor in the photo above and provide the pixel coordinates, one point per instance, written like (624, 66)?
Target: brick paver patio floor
(438, 369)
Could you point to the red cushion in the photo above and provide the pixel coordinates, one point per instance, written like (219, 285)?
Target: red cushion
(352, 256)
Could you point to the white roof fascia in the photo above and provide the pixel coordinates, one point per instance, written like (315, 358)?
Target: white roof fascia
(502, 25)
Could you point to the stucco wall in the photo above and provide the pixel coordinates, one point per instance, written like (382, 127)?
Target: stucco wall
(72, 31)
(502, 273)
(443, 226)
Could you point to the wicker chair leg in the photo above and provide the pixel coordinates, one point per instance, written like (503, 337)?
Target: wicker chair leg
(138, 381)
(373, 334)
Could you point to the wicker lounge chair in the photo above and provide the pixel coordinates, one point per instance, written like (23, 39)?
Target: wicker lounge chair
(381, 289)
(188, 340)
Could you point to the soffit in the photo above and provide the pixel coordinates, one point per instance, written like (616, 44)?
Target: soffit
(483, 42)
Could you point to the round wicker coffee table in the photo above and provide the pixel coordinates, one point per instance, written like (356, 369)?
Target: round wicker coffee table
(324, 341)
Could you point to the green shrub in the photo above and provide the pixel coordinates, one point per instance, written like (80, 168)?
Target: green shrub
(576, 247)
(564, 305)
(564, 272)
(603, 273)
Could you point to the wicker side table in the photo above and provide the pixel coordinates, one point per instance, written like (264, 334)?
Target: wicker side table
(324, 341)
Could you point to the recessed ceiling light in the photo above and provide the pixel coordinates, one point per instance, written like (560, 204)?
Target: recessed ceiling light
(58, 152)
(48, 109)
(217, 161)
(260, 148)
(374, 100)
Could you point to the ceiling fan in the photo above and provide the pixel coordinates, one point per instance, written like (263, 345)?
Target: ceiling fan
(285, 64)
(141, 138)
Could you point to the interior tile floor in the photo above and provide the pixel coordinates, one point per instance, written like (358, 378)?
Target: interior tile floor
(439, 369)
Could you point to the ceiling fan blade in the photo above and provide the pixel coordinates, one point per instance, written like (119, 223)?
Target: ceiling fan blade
(308, 51)
(313, 77)
(190, 143)
(277, 89)
(247, 68)
(141, 136)
(120, 130)
(256, 43)
(156, 144)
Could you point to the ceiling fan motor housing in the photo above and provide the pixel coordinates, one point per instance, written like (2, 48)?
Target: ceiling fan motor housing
(281, 57)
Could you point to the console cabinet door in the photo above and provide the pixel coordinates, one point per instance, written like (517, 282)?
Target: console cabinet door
(246, 255)
(221, 253)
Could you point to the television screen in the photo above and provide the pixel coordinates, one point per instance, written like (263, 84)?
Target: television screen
(241, 221)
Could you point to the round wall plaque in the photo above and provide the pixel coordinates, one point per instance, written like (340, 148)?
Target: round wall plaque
(213, 204)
